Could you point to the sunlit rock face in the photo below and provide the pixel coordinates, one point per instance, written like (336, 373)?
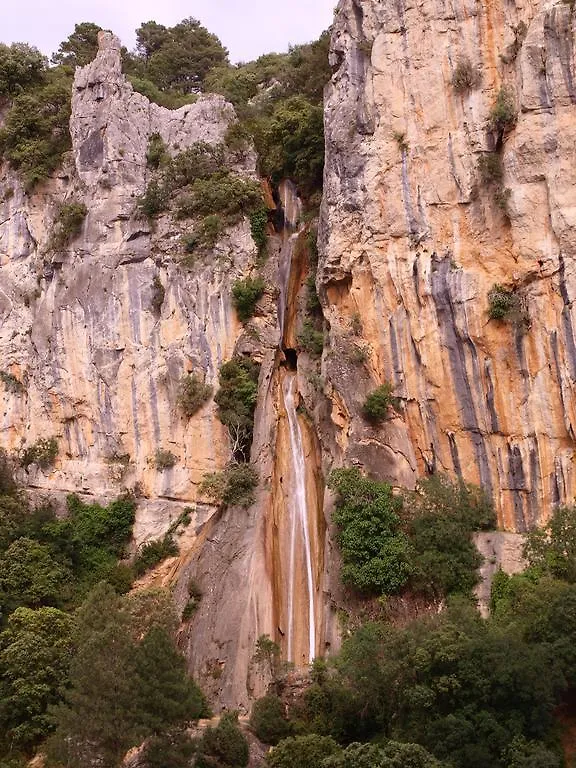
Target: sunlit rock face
(412, 241)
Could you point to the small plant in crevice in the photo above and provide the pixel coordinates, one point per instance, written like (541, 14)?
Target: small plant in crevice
(158, 294)
(400, 139)
(67, 224)
(233, 486)
(157, 152)
(204, 236)
(359, 354)
(466, 76)
(505, 304)
(164, 459)
(503, 113)
(194, 598)
(152, 553)
(246, 294)
(43, 453)
(490, 168)
(378, 403)
(193, 394)
(11, 383)
(310, 339)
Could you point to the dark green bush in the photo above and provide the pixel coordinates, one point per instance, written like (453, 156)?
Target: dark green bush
(67, 224)
(302, 751)
(268, 720)
(376, 408)
(205, 235)
(224, 745)
(259, 227)
(376, 553)
(502, 302)
(152, 553)
(11, 383)
(164, 459)
(465, 77)
(200, 161)
(193, 394)
(194, 598)
(551, 549)
(503, 114)
(157, 152)
(222, 193)
(154, 200)
(43, 452)
(233, 486)
(21, 67)
(490, 168)
(236, 401)
(246, 294)
(158, 294)
(310, 339)
(163, 98)
(35, 133)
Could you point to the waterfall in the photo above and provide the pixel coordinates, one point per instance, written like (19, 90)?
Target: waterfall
(292, 209)
(299, 523)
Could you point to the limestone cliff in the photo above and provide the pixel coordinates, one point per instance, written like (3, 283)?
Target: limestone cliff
(412, 242)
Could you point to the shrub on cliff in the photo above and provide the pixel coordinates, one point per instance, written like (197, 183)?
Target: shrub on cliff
(246, 294)
(152, 553)
(302, 751)
(268, 720)
(310, 339)
(465, 76)
(552, 549)
(224, 745)
(503, 113)
(43, 453)
(506, 304)
(67, 224)
(236, 400)
(378, 403)
(233, 486)
(193, 394)
(376, 553)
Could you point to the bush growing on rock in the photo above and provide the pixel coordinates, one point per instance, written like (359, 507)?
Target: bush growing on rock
(43, 452)
(310, 339)
(268, 720)
(236, 401)
(376, 408)
(224, 745)
(246, 294)
(302, 751)
(503, 113)
(158, 294)
(233, 486)
(152, 553)
(193, 394)
(67, 224)
(164, 459)
(465, 77)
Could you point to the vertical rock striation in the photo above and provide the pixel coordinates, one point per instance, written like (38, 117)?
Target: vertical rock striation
(412, 241)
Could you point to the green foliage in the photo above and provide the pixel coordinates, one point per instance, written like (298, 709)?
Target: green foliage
(178, 58)
(125, 684)
(376, 408)
(35, 653)
(310, 339)
(43, 453)
(302, 752)
(551, 549)
(173, 749)
(170, 100)
(393, 754)
(154, 552)
(154, 200)
(80, 47)
(290, 143)
(224, 745)
(504, 304)
(194, 598)
(67, 224)
(35, 132)
(236, 401)
(157, 152)
(21, 67)
(12, 384)
(246, 294)
(164, 459)
(268, 720)
(193, 394)
(444, 516)
(490, 168)
(233, 486)
(376, 554)
(259, 227)
(158, 295)
(29, 576)
(465, 76)
(204, 237)
(223, 193)
(503, 114)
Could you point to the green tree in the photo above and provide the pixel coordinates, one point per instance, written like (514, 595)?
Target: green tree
(236, 401)
(180, 57)
(35, 653)
(392, 755)
(29, 575)
(376, 554)
(80, 47)
(21, 66)
(246, 294)
(301, 752)
(224, 745)
(552, 548)
(268, 720)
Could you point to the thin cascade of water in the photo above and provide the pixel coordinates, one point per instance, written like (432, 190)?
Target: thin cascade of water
(299, 519)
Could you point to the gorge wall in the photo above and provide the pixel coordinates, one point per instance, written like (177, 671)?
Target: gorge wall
(411, 243)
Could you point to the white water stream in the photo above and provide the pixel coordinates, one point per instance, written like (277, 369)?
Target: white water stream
(299, 524)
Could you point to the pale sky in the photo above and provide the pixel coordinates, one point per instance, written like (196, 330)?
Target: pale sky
(247, 28)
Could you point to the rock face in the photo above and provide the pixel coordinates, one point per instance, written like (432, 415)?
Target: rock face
(100, 364)
(412, 241)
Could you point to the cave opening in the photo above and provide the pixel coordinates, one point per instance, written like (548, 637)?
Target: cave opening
(291, 358)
